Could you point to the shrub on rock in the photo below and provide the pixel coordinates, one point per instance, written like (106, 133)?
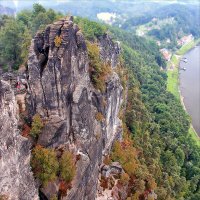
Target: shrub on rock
(67, 167)
(58, 41)
(37, 126)
(44, 164)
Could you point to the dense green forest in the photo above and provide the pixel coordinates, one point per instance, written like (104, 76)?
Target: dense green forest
(16, 34)
(161, 155)
(168, 152)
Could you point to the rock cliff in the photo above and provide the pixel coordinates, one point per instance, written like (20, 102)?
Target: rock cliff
(16, 179)
(78, 117)
(62, 93)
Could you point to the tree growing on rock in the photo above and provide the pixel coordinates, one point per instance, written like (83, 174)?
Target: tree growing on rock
(67, 167)
(44, 164)
(126, 155)
(98, 69)
(37, 126)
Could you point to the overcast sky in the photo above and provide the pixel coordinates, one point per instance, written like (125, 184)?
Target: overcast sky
(27, 3)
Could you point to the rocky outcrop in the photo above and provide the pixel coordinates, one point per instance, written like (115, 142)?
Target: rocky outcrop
(109, 186)
(60, 90)
(109, 50)
(16, 179)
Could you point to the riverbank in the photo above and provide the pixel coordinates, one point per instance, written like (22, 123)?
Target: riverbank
(185, 48)
(173, 76)
(173, 79)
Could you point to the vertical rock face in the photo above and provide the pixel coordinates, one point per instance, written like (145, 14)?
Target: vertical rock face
(16, 179)
(77, 116)
(60, 90)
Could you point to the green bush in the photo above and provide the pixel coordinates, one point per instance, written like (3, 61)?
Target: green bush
(37, 126)
(44, 164)
(16, 34)
(67, 167)
(90, 29)
(54, 197)
(98, 69)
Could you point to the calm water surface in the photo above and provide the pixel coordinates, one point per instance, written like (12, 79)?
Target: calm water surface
(190, 86)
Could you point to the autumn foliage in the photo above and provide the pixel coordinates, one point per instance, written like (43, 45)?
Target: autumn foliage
(99, 117)
(98, 69)
(126, 155)
(58, 41)
(48, 167)
(67, 167)
(136, 177)
(26, 130)
(37, 125)
(63, 187)
(44, 164)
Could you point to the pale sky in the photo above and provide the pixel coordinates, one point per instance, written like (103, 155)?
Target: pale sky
(25, 3)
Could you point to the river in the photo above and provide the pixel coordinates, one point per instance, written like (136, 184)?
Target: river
(190, 85)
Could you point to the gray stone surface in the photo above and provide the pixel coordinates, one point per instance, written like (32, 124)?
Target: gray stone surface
(60, 90)
(16, 178)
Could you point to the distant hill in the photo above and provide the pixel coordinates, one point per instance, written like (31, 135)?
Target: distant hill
(6, 11)
(168, 24)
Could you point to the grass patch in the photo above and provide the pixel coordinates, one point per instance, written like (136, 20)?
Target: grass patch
(175, 60)
(173, 77)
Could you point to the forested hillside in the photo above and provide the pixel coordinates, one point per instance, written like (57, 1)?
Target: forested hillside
(168, 157)
(168, 152)
(157, 153)
(185, 20)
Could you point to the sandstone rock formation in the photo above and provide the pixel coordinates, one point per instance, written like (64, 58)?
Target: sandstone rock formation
(60, 90)
(62, 93)
(16, 179)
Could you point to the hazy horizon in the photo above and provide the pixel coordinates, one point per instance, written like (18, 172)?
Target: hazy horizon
(18, 4)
